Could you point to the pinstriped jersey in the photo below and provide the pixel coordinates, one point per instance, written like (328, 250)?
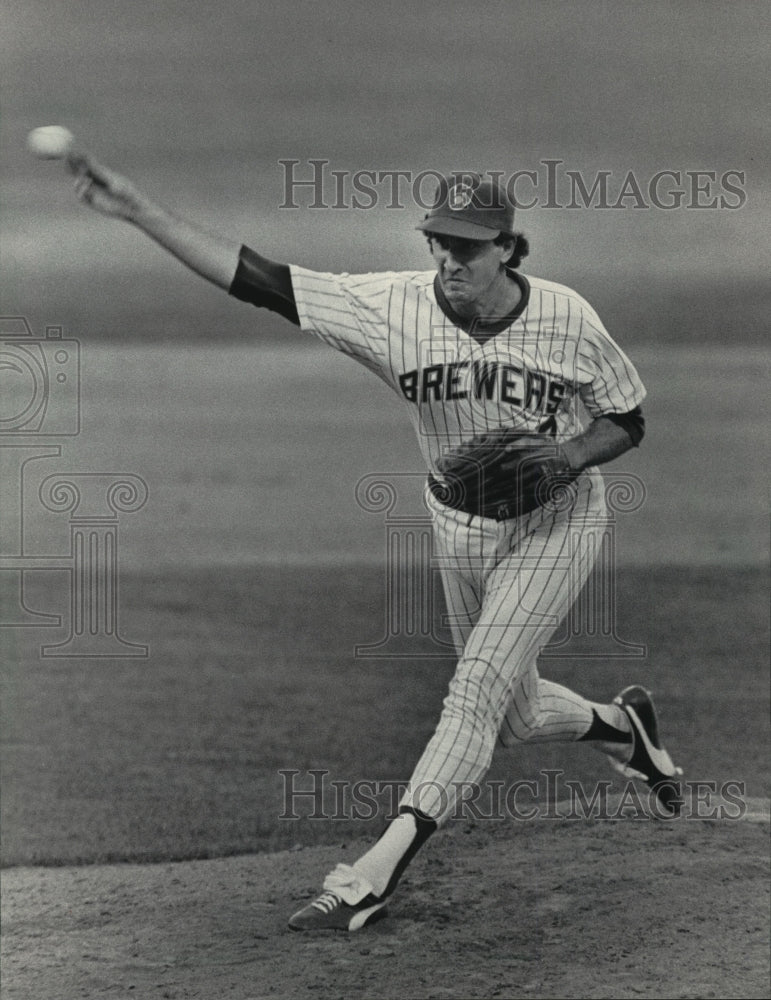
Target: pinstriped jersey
(548, 369)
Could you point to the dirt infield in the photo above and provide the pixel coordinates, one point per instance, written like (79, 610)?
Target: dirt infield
(618, 908)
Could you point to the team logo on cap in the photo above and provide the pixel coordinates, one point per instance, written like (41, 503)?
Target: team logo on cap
(459, 196)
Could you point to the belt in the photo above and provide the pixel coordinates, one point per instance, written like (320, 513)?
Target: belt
(455, 499)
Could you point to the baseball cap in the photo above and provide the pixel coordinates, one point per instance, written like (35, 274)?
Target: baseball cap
(470, 207)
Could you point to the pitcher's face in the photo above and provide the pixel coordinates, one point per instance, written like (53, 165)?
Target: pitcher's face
(467, 269)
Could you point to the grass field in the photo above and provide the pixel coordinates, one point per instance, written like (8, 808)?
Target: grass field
(252, 671)
(251, 591)
(251, 573)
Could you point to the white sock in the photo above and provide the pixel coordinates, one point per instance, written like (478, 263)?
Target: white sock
(380, 861)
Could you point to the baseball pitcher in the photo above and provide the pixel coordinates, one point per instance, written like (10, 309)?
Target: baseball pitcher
(517, 394)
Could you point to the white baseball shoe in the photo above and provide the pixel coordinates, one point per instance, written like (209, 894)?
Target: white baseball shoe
(346, 904)
(649, 761)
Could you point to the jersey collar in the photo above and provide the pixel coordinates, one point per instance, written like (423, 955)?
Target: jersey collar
(477, 328)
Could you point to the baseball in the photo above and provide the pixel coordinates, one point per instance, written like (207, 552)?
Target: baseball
(50, 142)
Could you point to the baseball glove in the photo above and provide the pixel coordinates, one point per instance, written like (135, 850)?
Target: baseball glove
(505, 473)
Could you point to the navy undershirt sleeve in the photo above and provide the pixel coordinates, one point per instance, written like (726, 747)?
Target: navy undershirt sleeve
(632, 422)
(265, 284)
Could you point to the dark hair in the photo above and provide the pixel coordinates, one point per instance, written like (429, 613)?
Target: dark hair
(521, 247)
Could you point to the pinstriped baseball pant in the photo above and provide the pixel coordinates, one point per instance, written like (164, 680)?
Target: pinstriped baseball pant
(508, 585)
